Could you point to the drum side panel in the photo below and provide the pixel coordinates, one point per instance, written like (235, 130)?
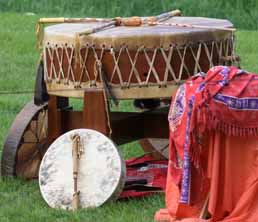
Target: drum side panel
(126, 68)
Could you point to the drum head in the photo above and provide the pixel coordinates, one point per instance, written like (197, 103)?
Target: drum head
(137, 36)
(101, 172)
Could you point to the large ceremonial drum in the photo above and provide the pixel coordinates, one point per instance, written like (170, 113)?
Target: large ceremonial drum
(146, 61)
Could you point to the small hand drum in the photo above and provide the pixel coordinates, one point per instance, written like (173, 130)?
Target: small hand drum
(97, 176)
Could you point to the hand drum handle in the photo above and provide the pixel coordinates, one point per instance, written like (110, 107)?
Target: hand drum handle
(76, 152)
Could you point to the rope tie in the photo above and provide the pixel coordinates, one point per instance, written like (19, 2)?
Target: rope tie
(133, 71)
(98, 71)
(116, 67)
(151, 67)
(169, 69)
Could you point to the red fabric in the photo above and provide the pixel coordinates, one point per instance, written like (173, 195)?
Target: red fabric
(232, 172)
(208, 114)
(145, 168)
(233, 169)
(211, 119)
(212, 114)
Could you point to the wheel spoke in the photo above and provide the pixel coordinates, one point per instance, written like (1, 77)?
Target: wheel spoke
(29, 136)
(43, 126)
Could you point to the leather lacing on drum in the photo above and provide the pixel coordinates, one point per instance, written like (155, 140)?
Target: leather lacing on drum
(225, 50)
(99, 70)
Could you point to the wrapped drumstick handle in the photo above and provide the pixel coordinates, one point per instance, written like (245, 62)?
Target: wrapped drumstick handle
(73, 20)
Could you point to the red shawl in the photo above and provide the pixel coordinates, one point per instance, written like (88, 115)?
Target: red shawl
(224, 99)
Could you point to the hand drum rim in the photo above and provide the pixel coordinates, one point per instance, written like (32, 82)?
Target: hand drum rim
(99, 180)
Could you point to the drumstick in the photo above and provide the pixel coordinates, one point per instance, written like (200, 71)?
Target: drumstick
(117, 19)
(181, 25)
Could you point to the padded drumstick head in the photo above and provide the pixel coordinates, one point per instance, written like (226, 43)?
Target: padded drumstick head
(101, 171)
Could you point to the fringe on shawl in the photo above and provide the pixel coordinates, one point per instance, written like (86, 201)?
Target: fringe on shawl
(231, 130)
(207, 122)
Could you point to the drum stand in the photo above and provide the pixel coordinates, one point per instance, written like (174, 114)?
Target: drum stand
(121, 127)
(37, 126)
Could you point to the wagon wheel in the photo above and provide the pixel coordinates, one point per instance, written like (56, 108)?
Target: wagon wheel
(157, 148)
(26, 143)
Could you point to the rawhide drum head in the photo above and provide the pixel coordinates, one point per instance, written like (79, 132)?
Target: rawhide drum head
(100, 170)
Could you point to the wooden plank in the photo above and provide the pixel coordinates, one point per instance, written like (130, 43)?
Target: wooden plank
(55, 122)
(135, 91)
(127, 127)
(156, 125)
(96, 111)
(72, 119)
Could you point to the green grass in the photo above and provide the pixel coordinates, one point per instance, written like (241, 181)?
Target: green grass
(243, 13)
(21, 201)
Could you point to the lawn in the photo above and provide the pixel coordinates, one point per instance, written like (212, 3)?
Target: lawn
(243, 13)
(21, 200)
